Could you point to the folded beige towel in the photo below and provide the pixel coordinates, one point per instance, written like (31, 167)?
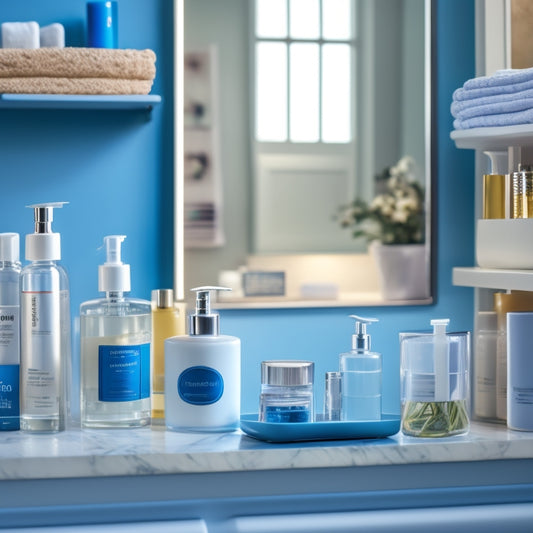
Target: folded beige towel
(77, 63)
(44, 85)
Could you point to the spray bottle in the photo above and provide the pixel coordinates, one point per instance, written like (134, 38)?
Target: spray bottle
(45, 328)
(115, 349)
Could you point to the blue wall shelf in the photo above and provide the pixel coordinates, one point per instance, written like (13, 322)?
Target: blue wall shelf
(81, 101)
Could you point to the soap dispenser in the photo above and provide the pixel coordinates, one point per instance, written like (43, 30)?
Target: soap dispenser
(361, 372)
(203, 373)
(45, 328)
(435, 382)
(115, 349)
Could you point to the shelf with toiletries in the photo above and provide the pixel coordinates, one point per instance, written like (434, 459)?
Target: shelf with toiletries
(76, 101)
(495, 138)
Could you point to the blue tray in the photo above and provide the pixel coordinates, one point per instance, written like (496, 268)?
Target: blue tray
(305, 431)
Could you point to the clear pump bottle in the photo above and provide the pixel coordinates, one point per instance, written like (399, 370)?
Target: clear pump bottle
(361, 372)
(45, 328)
(115, 349)
(9, 331)
(203, 373)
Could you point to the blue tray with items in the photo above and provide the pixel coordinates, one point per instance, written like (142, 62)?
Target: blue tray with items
(319, 430)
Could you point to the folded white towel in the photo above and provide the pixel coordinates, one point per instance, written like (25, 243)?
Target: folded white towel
(20, 35)
(490, 105)
(502, 119)
(52, 36)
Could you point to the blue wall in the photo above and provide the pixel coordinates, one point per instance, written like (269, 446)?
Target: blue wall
(115, 168)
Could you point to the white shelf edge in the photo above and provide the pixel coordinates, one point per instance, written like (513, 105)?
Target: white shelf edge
(484, 278)
(499, 138)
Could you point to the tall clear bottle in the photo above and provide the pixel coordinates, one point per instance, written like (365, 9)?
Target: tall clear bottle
(9, 331)
(45, 328)
(361, 372)
(116, 337)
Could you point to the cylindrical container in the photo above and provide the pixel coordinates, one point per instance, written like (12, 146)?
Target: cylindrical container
(522, 192)
(485, 353)
(494, 196)
(332, 397)
(9, 331)
(286, 391)
(519, 371)
(102, 24)
(168, 320)
(435, 384)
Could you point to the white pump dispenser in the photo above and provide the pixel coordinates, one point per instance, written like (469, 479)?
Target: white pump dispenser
(361, 372)
(203, 373)
(45, 328)
(115, 334)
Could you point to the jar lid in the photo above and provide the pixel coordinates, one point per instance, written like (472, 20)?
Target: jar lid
(287, 373)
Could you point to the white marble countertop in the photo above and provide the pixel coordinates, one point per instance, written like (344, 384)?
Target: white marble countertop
(154, 451)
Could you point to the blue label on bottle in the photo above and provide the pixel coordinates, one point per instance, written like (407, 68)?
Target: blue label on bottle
(123, 373)
(9, 397)
(200, 385)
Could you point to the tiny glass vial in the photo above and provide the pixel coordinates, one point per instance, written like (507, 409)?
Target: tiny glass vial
(332, 397)
(286, 391)
(522, 190)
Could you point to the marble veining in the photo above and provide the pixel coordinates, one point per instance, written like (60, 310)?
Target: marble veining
(153, 451)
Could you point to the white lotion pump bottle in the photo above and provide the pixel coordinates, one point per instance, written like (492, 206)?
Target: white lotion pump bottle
(203, 373)
(45, 328)
(116, 335)
(361, 372)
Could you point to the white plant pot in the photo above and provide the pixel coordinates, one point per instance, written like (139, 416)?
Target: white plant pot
(403, 270)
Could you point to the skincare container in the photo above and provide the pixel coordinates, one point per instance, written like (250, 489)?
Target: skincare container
(115, 349)
(485, 350)
(45, 328)
(286, 391)
(519, 372)
(522, 192)
(203, 373)
(168, 320)
(361, 372)
(9, 331)
(332, 397)
(434, 382)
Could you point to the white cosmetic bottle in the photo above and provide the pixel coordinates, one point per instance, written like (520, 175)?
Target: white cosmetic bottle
(203, 373)
(115, 349)
(361, 372)
(9, 331)
(45, 328)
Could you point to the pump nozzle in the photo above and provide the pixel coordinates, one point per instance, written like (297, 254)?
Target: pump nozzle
(439, 325)
(44, 244)
(43, 215)
(114, 275)
(203, 322)
(361, 340)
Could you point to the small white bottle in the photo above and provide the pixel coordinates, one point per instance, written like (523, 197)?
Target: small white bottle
(115, 349)
(361, 372)
(203, 373)
(9, 331)
(45, 328)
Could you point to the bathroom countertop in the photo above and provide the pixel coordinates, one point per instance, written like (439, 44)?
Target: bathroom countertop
(153, 451)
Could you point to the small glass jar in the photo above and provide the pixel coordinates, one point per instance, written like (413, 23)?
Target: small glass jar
(286, 392)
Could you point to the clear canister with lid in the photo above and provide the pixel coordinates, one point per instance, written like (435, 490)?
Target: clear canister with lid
(286, 392)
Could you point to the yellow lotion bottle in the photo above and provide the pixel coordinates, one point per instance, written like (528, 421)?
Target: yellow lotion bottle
(168, 320)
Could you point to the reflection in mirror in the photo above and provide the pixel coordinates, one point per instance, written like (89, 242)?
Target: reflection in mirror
(288, 120)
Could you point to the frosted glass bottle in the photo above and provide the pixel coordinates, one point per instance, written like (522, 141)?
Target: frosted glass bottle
(361, 372)
(115, 350)
(9, 331)
(45, 329)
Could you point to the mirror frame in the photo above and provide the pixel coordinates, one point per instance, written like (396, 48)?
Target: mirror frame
(430, 167)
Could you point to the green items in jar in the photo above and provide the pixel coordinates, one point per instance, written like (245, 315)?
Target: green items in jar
(434, 419)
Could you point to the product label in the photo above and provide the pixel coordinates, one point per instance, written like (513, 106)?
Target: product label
(9, 397)
(123, 373)
(9, 333)
(200, 385)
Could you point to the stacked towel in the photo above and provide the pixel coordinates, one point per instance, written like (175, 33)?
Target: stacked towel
(76, 71)
(503, 99)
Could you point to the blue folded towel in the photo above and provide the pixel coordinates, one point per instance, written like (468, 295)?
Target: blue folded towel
(464, 95)
(493, 105)
(501, 119)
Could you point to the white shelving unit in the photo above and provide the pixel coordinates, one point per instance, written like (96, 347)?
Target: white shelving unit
(517, 141)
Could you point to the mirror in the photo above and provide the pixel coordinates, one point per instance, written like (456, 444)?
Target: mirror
(269, 202)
